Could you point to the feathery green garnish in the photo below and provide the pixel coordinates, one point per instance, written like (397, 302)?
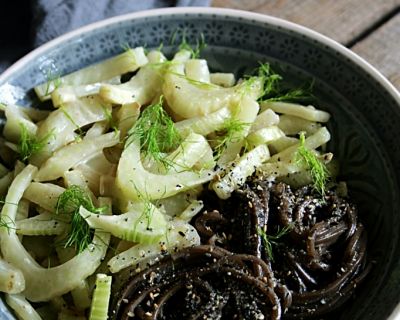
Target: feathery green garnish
(78, 128)
(196, 51)
(205, 85)
(148, 207)
(303, 94)
(231, 133)
(29, 145)
(271, 79)
(52, 79)
(319, 172)
(110, 119)
(156, 133)
(80, 235)
(6, 224)
(272, 90)
(271, 240)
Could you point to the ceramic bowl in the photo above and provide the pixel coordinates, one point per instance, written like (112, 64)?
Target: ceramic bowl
(364, 105)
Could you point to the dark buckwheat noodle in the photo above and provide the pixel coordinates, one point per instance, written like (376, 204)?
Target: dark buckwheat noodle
(316, 259)
(204, 282)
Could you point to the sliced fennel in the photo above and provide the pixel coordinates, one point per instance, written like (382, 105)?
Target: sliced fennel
(206, 124)
(133, 180)
(193, 148)
(188, 99)
(307, 113)
(16, 118)
(128, 61)
(320, 137)
(73, 154)
(11, 279)
(22, 308)
(237, 172)
(67, 94)
(264, 135)
(101, 298)
(41, 225)
(43, 284)
(178, 236)
(44, 194)
(197, 69)
(141, 88)
(63, 123)
(144, 225)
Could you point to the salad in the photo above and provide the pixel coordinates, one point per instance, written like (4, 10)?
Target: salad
(147, 171)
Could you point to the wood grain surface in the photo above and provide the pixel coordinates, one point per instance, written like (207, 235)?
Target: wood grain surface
(382, 49)
(369, 27)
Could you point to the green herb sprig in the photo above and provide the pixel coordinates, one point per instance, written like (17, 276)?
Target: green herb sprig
(273, 91)
(156, 132)
(231, 133)
(6, 224)
(318, 170)
(197, 49)
(29, 145)
(52, 79)
(79, 235)
(272, 240)
(69, 117)
(109, 117)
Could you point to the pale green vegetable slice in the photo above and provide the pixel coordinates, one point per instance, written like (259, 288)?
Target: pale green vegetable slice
(188, 99)
(73, 154)
(67, 94)
(292, 125)
(126, 117)
(97, 129)
(307, 113)
(43, 284)
(11, 279)
(223, 79)
(247, 110)
(237, 172)
(265, 119)
(193, 148)
(208, 123)
(191, 210)
(281, 144)
(144, 225)
(141, 88)
(320, 137)
(128, 61)
(101, 298)
(44, 194)
(265, 135)
(179, 235)
(15, 119)
(22, 308)
(62, 123)
(197, 69)
(133, 180)
(40, 225)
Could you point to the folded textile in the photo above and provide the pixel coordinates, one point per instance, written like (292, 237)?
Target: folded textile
(52, 18)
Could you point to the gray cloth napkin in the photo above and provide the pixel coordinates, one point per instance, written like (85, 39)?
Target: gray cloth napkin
(52, 18)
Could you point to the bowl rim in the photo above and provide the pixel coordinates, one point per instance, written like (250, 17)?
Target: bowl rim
(233, 13)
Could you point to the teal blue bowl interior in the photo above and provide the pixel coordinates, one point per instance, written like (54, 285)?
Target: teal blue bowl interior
(365, 109)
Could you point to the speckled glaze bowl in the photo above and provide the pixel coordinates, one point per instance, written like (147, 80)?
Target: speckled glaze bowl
(364, 105)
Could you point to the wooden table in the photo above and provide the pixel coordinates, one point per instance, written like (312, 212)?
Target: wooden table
(371, 28)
